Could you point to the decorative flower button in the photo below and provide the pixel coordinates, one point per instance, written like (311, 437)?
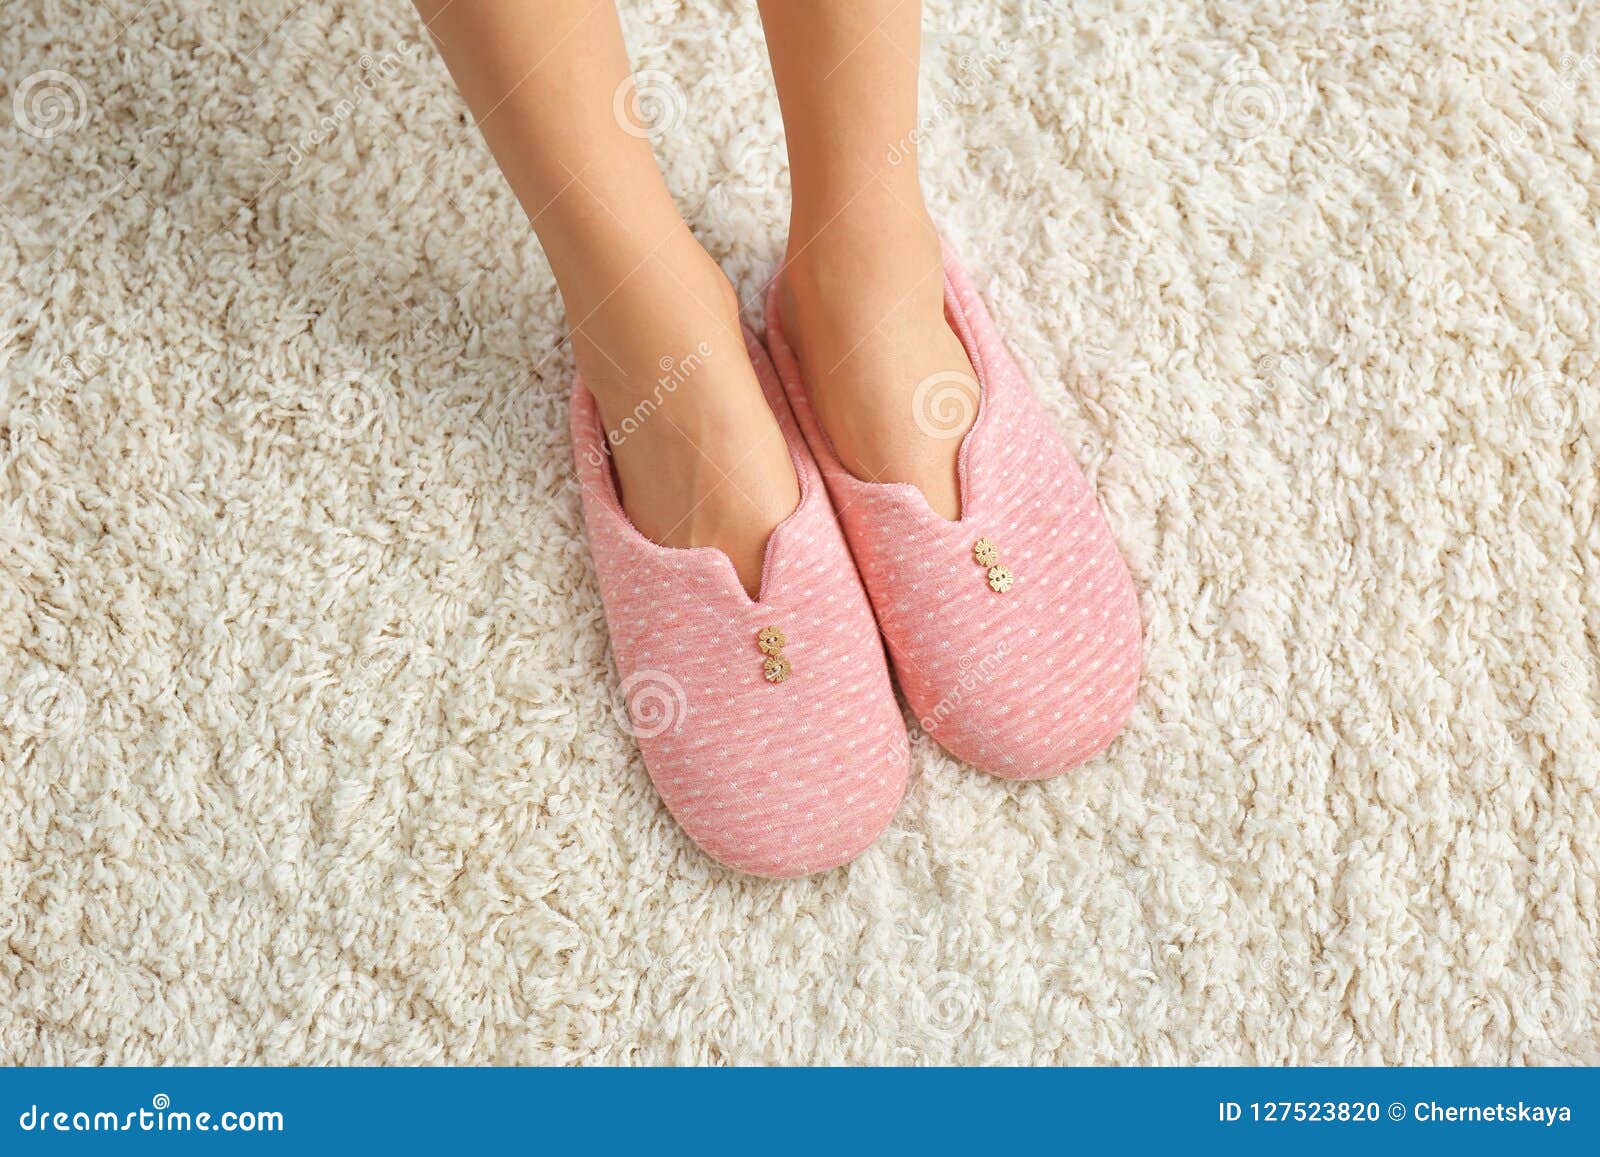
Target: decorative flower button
(774, 668)
(987, 555)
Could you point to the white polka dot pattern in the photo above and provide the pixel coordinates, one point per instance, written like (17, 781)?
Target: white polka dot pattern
(773, 779)
(1027, 683)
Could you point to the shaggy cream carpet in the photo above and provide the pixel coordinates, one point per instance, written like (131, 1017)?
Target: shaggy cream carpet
(309, 742)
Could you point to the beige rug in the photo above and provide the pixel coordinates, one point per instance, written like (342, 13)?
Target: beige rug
(308, 741)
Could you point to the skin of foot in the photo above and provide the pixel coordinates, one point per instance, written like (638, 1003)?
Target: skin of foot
(699, 457)
(862, 303)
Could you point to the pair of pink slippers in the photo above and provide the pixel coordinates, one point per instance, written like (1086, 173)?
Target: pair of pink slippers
(770, 727)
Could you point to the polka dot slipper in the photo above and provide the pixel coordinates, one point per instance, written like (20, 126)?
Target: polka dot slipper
(769, 726)
(1014, 632)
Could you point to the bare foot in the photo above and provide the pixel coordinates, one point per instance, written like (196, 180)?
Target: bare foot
(699, 456)
(862, 303)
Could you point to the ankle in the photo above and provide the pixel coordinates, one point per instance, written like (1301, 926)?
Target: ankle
(666, 325)
(856, 272)
(595, 265)
(876, 220)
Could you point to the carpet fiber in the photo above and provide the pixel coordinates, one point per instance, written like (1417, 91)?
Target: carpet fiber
(309, 736)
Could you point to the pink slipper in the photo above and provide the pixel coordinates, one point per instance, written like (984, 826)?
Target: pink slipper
(1014, 632)
(770, 728)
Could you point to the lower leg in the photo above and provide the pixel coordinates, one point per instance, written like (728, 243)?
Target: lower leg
(863, 290)
(709, 465)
